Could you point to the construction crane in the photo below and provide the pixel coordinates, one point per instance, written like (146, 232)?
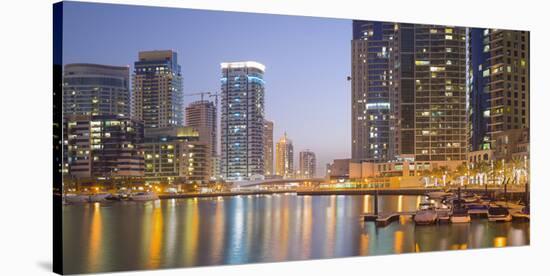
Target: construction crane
(196, 94)
(210, 95)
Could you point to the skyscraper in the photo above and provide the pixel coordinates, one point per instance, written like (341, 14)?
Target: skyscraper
(408, 92)
(268, 148)
(308, 164)
(478, 87)
(284, 154)
(157, 97)
(95, 89)
(372, 91)
(242, 120)
(508, 85)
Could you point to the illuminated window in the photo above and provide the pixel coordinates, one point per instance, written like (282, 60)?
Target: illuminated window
(437, 69)
(422, 62)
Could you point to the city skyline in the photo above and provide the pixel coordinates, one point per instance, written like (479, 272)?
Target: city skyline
(230, 138)
(327, 117)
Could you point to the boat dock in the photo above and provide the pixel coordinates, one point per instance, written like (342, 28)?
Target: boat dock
(384, 219)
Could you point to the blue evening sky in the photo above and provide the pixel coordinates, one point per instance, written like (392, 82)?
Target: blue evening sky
(307, 60)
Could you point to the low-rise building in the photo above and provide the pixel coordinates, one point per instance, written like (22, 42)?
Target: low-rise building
(478, 156)
(512, 144)
(339, 169)
(103, 147)
(400, 173)
(176, 156)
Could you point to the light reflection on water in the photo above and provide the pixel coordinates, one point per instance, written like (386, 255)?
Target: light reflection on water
(231, 230)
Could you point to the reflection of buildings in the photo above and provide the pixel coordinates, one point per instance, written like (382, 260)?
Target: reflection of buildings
(176, 156)
(94, 89)
(268, 148)
(408, 92)
(307, 164)
(103, 146)
(284, 154)
(201, 115)
(157, 95)
(242, 120)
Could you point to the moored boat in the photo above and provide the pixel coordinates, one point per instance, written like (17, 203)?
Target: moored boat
(499, 214)
(77, 198)
(98, 197)
(438, 195)
(477, 209)
(426, 214)
(143, 196)
(443, 215)
(460, 215)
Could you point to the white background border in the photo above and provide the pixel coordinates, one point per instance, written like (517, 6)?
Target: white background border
(26, 161)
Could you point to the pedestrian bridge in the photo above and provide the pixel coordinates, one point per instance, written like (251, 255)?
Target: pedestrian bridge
(287, 181)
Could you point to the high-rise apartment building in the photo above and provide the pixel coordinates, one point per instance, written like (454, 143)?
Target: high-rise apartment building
(408, 92)
(95, 89)
(242, 120)
(157, 95)
(308, 164)
(268, 148)
(284, 155)
(508, 85)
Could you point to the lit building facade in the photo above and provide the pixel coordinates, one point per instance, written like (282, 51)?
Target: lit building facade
(408, 92)
(176, 156)
(478, 94)
(242, 120)
(284, 154)
(201, 115)
(95, 89)
(508, 81)
(103, 147)
(372, 91)
(308, 164)
(157, 95)
(268, 148)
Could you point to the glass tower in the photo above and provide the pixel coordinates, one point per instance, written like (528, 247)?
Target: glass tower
(242, 120)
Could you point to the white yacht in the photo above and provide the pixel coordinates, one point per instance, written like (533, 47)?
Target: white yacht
(76, 198)
(426, 214)
(143, 196)
(98, 197)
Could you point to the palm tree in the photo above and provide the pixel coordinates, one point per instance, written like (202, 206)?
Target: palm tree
(460, 171)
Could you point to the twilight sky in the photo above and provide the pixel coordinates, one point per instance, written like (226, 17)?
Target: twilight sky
(307, 61)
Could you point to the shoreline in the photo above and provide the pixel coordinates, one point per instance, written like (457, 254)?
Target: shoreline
(410, 191)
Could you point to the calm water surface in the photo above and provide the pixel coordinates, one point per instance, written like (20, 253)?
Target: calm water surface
(242, 229)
